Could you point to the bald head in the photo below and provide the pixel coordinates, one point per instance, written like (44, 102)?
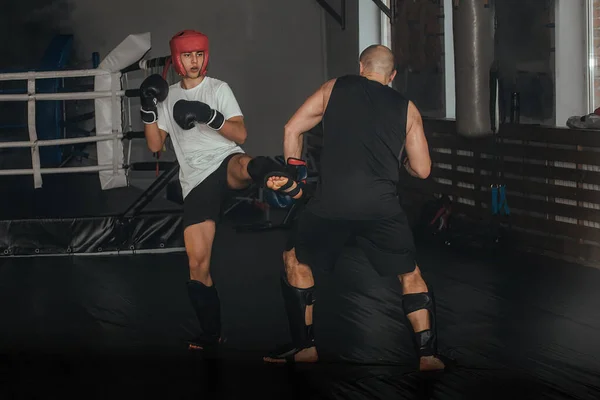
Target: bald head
(378, 60)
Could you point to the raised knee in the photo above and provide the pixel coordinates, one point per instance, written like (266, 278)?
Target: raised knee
(258, 167)
(243, 161)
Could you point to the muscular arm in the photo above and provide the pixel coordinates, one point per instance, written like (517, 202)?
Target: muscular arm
(417, 150)
(234, 129)
(305, 118)
(155, 137)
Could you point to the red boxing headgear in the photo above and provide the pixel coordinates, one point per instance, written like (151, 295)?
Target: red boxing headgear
(188, 41)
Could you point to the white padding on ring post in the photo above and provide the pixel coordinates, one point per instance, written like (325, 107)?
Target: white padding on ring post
(108, 114)
(35, 151)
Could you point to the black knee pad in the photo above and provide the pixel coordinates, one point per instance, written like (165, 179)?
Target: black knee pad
(296, 301)
(427, 339)
(259, 167)
(206, 303)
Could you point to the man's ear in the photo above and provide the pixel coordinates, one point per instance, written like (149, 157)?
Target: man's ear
(392, 76)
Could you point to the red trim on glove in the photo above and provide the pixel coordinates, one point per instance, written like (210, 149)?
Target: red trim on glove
(295, 162)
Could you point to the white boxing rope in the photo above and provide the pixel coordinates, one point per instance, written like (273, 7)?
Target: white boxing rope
(59, 142)
(31, 97)
(77, 73)
(61, 170)
(61, 96)
(108, 110)
(107, 96)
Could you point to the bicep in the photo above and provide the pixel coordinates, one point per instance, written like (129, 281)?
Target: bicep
(237, 118)
(312, 110)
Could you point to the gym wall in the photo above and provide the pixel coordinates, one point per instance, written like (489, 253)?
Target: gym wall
(362, 28)
(342, 44)
(268, 51)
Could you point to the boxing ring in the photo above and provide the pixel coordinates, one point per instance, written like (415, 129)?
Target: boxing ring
(93, 206)
(92, 292)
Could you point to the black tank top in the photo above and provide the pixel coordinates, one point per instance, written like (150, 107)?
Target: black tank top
(364, 129)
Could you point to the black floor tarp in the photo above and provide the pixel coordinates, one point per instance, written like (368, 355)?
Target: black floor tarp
(116, 326)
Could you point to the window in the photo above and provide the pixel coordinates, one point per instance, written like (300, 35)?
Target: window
(593, 44)
(419, 44)
(386, 27)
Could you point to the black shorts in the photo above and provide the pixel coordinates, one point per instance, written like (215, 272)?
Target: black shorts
(205, 201)
(388, 242)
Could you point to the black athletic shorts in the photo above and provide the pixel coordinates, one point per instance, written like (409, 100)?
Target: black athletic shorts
(205, 201)
(388, 242)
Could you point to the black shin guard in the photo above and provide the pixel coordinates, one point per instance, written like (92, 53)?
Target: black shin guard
(259, 168)
(205, 301)
(296, 301)
(427, 339)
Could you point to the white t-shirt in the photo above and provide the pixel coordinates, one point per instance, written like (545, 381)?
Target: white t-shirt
(199, 150)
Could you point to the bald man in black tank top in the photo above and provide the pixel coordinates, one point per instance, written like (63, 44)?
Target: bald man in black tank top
(366, 126)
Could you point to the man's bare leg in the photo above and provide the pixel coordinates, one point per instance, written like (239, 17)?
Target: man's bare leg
(198, 244)
(237, 172)
(413, 283)
(199, 239)
(299, 276)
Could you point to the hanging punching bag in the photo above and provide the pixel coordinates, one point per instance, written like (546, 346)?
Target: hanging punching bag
(473, 28)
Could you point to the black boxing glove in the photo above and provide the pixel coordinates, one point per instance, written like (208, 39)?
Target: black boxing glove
(153, 90)
(187, 112)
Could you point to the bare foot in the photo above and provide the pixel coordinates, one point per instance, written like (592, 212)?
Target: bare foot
(431, 363)
(198, 346)
(308, 355)
(275, 183)
(193, 346)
